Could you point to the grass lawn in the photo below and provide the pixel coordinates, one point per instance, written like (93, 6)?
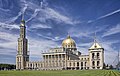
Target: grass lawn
(62, 73)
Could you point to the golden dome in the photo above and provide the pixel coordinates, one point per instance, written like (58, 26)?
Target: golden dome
(69, 42)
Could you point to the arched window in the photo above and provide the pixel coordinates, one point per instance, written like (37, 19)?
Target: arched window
(93, 55)
(70, 63)
(85, 63)
(41, 64)
(68, 45)
(31, 65)
(98, 63)
(28, 64)
(74, 64)
(97, 55)
(81, 63)
(77, 64)
(93, 63)
(36, 64)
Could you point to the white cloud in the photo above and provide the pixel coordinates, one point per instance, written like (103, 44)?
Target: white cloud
(10, 44)
(9, 26)
(110, 53)
(6, 10)
(36, 47)
(85, 44)
(48, 37)
(104, 16)
(49, 13)
(57, 38)
(109, 14)
(75, 32)
(33, 15)
(39, 26)
(24, 7)
(8, 36)
(113, 30)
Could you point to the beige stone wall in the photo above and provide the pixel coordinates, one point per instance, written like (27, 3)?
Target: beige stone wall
(59, 61)
(96, 61)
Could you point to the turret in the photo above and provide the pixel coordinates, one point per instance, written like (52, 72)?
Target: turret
(22, 52)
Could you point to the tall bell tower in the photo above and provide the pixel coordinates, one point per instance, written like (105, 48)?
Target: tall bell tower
(22, 52)
(96, 55)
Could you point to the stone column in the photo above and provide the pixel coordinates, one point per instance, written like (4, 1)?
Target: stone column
(95, 60)
(55, 60)
(83, 65)
(58, 61)
(52, 60)
(62, 60)
(45, 62)
(48, 61)
(79, 64)
(65, 61)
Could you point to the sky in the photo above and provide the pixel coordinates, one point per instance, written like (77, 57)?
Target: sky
(48, 23)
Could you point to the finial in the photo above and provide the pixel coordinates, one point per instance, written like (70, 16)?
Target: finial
(68, 35)
(95, 40)
(23, 21)
(95, 37)
(22, 16)
(41, 4)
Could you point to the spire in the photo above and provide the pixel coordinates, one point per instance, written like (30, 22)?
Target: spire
(95, 44)
(41, 4)
(95, 37)
(95, 40)
(22, 20)
(23, 16)
(68, 35)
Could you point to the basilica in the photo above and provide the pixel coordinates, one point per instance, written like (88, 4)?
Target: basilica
(66, 57)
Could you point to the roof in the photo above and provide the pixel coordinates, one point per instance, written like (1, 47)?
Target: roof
(95, 45)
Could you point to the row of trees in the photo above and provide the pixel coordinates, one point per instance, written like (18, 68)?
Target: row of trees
(11, 66)
(7, 66)
(108, 66)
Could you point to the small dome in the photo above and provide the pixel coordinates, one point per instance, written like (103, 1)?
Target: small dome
(69, 43)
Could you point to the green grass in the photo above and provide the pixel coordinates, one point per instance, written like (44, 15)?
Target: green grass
(62, 73)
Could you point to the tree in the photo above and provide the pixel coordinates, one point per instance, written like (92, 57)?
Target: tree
(104, 66)
(107, 65)
(110, 67)
(7, 66)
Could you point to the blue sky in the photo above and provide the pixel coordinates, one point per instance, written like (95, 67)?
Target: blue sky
(48, 25)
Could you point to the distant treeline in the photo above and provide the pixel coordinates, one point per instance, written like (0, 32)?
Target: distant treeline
(7, 66)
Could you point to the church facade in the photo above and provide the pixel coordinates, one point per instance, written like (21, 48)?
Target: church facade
(66, 57)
